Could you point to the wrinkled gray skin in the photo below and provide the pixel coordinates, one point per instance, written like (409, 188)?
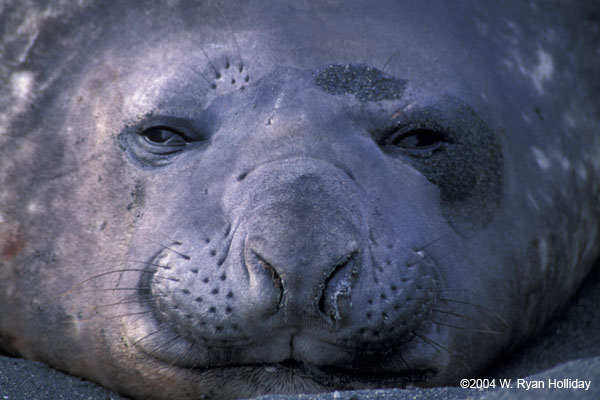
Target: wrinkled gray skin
(223, 200)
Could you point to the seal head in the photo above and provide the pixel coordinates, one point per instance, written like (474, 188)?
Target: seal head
(198, 208)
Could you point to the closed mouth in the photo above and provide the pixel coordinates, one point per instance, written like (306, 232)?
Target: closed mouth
(329, 378)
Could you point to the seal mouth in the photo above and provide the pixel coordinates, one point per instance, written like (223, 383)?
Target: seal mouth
(326, 378)
(354, 374)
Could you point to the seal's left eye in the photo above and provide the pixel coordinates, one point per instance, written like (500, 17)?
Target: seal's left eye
(419, 140)
(163, 136)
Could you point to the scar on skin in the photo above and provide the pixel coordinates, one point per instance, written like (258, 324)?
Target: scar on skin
(403, 110)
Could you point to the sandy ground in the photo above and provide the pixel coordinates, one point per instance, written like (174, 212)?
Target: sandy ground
(23, 379)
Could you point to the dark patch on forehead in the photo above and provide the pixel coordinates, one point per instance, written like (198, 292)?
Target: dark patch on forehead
(363, 82)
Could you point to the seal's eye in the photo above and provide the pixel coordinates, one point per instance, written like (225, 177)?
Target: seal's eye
(163, 136)
(158, 140)
(419, 140)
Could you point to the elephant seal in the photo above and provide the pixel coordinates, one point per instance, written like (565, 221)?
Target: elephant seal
(224, 199)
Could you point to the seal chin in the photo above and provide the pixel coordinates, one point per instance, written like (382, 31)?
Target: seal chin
(286, 363)
(292, 376)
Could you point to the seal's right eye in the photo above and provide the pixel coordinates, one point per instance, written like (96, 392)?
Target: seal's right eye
(158, 141)
(162, 140)
(163, 136)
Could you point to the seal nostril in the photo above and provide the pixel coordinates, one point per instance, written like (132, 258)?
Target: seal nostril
(275, 278)
(338, 284)
(264, 281)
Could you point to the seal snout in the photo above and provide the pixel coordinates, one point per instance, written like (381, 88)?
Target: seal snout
(297, 276)
(299, 232)
(298, 285)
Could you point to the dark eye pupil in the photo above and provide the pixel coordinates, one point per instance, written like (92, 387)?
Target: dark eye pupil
(158, 135)
(164, 136)
(419, 139)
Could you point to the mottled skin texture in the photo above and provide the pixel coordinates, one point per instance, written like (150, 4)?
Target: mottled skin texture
(222, 200)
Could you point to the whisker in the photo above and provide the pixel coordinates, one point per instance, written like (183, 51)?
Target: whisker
(489, 331)
(406, 364)
(435, 344)
(450, 313)
(167, 343)
(110, 289)
(495, 315)
(175, 242)
(465, 303)
(128, 315)
(132, 314)
(191, 346)
(217, 73)
(153, 333)
(103, 318)
(387, 62)
(499, 317)
(184, 256)
(117, 271)
(433, 241)
(233, 35)
(442, 290)
(184, 337)
(199, 73)
(142, 262)
(125, 301)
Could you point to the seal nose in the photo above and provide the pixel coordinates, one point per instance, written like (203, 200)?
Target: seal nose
(301, 236)
(304, 285)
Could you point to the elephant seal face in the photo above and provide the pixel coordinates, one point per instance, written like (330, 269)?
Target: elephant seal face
(226, 201)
